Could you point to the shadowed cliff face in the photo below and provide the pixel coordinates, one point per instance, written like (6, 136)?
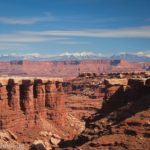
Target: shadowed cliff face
(124, 117)
(115, 108)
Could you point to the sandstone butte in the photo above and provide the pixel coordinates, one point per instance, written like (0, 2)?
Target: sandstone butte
(122, 114)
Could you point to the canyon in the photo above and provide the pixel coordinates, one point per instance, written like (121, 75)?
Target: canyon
(67, 69)
(91, 111)
(122, 122)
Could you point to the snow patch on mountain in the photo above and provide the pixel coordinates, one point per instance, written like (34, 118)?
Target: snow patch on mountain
(63, 56)
(81, 54)
(141, 56)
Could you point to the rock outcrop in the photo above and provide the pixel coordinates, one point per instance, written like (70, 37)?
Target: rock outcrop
(122, 122)
(8, 141)
(24, 101)
(114, 106)
(86, 93)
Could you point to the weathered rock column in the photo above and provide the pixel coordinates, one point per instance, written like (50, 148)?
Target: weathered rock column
(50, 89)
(56, 103)
(27, 102)
(3, 96)
(27, 99)
(3, 104)
(13, 95)
(39, 94)
(22, 100)
(60, 97)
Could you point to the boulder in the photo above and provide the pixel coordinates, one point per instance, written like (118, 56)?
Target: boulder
(44, 133)
(38, 145)
(55, 139)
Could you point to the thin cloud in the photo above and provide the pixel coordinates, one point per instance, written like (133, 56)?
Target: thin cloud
(71, 42)
(9, 45)
(22, 38)
(66, 36)
(12, 46)
(134, 32)
(26, 21)
(92, 20)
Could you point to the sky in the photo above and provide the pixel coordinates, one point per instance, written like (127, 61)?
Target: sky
(57, 26)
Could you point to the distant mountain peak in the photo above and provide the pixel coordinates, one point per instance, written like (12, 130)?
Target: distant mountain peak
(79, 54)
(39, 57)
(132, 57)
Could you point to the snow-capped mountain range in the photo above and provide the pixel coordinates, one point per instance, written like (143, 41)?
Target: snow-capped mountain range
(137, 57)
(133, 57)
(59, 57)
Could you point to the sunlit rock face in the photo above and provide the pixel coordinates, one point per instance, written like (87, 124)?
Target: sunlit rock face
(24, 101)
(68, 68)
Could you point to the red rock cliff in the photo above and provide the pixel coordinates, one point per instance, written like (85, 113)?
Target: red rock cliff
(24, 101)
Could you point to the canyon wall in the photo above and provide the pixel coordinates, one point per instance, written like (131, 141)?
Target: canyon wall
(64, 69)
(119, 98)
(24, 102)
(89, 91)
(123, 121)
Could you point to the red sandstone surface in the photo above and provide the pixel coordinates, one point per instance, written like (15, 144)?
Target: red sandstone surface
(29, 106)
(123, 122)
(93, 111)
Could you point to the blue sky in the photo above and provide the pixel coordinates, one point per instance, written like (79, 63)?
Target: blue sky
(59, 26)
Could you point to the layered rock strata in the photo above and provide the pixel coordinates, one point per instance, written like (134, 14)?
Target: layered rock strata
(24, 101)
(66, 69)
(122, 122)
